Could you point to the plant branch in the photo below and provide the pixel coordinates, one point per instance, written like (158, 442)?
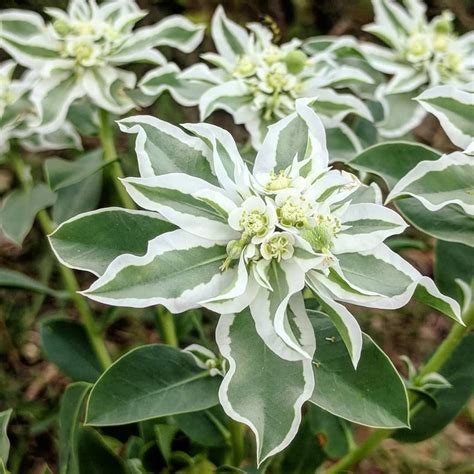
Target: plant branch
(436, 361)
(166, 326)
(110, 156)
(67, 274)
(237, 438)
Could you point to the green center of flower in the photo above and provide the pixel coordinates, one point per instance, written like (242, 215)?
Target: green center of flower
(245, 67)
(278, 182)
(254, 223)
(291, 214)
(418, 46)
(278, 247)
(450, 65)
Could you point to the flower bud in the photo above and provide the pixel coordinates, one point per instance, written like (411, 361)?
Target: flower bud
(295, 61)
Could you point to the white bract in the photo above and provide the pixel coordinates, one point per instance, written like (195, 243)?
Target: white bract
(419, 53)
(248, 241)
(17, 114)
(78, 52)
(258, 81)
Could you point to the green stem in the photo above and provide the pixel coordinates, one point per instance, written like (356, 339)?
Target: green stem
(110, 156)
(237, 438)
(167, 326)
(67, 274)
(436, 361)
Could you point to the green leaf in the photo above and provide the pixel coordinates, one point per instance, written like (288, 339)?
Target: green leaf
(66, 344)
(69, 422)
(164, 438)
(333, 433)
(92, 240)
(94, 456)
(78, 198)
(453, 261)
(4, 441)
(20, 208)
(207, 427)
(261, 389)
(64, 173)
(358, 395)
(12, 279)
(149, 382)
(343, 144)
(459, 371)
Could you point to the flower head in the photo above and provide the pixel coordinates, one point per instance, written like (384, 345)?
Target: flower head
(78, 53)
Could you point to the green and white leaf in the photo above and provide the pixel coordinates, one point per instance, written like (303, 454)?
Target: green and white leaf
(359, 396)
(439, 183)
(192, 204)
(283, 385)
(164, 148)
(454, 109)
(178, 271)
(91, 241)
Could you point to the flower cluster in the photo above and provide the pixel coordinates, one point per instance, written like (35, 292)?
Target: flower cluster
(17, 113)
(78, 53)
(257, 81)
(431, 48)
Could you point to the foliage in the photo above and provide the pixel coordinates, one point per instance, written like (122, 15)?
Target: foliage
(276, 242)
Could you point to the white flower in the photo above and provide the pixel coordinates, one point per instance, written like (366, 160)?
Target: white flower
(258, 81)
(17, 115)
(78, 53)
(279, 245)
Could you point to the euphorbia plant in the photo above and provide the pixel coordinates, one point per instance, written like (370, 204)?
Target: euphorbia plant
(79, 53)
(418, 54)
(257, 81)
(248, 241)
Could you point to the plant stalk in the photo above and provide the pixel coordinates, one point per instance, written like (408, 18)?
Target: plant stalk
(436, 361)
(237, 431)
(167, 326)
(67, 274)
(110, 156)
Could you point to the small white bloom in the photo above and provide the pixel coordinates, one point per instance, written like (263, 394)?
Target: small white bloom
(279, 245)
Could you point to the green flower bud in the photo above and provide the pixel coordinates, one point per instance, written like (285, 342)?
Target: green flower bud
(61, 27)
(295, 61)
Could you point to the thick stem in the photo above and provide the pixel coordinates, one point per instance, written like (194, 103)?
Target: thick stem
(237, 431)
(110, 156)
(436, 361)
(67, 274)
(167, 326)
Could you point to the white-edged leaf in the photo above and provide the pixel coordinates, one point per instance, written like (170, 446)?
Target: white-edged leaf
(454, 109)
(192, 204)
(439, 183)
(164, 148)
(178, 271)
(343, 320)
(91, 241)
(273, 412)
(230, 39)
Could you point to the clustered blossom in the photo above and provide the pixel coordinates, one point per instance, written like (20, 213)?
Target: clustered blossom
(433, 49)
(274, 76)
(17, 115)
(78, 53)
(258, 81)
